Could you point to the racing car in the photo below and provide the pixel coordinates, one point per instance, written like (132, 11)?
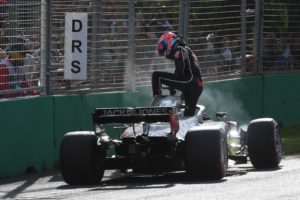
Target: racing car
(160, 139)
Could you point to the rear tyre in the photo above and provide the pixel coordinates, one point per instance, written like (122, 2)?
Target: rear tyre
(264, 143)
(81, 161)
(206, 154)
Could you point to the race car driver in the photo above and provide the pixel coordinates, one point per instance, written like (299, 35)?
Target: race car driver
(186, 77)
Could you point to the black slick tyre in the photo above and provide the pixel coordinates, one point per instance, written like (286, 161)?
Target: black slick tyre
(79, 158)
(264, 143)
(206, 154)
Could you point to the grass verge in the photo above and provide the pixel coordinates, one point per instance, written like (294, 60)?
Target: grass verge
(290, 139)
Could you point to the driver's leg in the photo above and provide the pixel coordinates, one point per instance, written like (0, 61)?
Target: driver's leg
(156, 81)
(191, 95)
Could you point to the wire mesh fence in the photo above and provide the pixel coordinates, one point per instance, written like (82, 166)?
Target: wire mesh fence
(122, 35)
(281, 36)
(20, 37)
(216, 32)
(151, 20)
(113, 67)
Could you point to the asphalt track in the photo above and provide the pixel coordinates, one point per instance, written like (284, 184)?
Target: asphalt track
(242, 182)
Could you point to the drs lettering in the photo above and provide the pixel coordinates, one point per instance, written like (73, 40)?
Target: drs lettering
(76, 45)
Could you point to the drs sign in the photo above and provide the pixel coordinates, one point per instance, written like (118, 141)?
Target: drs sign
(75, 67)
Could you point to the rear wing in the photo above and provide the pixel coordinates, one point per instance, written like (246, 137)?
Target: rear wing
(133, 115)
(136, 115)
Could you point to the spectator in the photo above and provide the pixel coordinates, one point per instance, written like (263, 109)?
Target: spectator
(159, 24)
(5, 36)
(12, 76)
(155, 27)
(14, 63)
(4, 75)
(211, 55)
(113, 28)
(152, 30)
(295, 51)
(283, 54)
(236, 52)
(166, 25)
(210, 38)
(226, 54)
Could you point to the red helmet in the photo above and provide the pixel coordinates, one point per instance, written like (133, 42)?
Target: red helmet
(165, 44)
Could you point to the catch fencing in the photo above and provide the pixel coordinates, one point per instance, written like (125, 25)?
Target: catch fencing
(280, 37)
(230, 38)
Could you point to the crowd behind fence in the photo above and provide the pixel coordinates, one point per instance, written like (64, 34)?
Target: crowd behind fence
(230, 38)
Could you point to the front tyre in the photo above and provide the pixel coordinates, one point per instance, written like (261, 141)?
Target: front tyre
(264, 143)
(206, 154)
(80, 159)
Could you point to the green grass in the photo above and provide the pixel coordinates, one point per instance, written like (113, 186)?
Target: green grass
(290, 139)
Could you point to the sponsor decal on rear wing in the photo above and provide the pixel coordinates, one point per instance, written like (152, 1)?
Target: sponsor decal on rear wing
(133, 115)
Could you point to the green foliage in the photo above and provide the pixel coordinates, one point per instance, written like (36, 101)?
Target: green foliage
(291, 139)
(278, 10)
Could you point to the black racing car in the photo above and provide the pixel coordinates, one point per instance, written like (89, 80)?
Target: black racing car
(159, 139)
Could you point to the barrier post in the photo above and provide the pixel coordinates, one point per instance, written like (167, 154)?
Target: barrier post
(45, 46)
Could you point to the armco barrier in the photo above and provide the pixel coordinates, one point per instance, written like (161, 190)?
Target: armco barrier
(31, 129)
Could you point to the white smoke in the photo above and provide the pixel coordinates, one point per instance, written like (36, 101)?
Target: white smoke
(222, 101)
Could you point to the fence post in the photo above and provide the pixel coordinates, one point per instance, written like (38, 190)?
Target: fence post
(45, 45)
(258, 36)
(12, 10)
(96, 40)
(130, 75)
(243, 34)
(184, 18)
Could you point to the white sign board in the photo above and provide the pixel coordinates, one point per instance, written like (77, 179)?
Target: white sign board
(75, 66)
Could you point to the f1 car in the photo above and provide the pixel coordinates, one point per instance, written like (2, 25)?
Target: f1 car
(159, 139)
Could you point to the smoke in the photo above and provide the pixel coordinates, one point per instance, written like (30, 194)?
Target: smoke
(222, 101)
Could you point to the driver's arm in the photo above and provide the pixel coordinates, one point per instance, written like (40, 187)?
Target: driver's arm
(179, 64)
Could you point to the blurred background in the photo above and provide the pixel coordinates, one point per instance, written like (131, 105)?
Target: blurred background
(231, 39)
